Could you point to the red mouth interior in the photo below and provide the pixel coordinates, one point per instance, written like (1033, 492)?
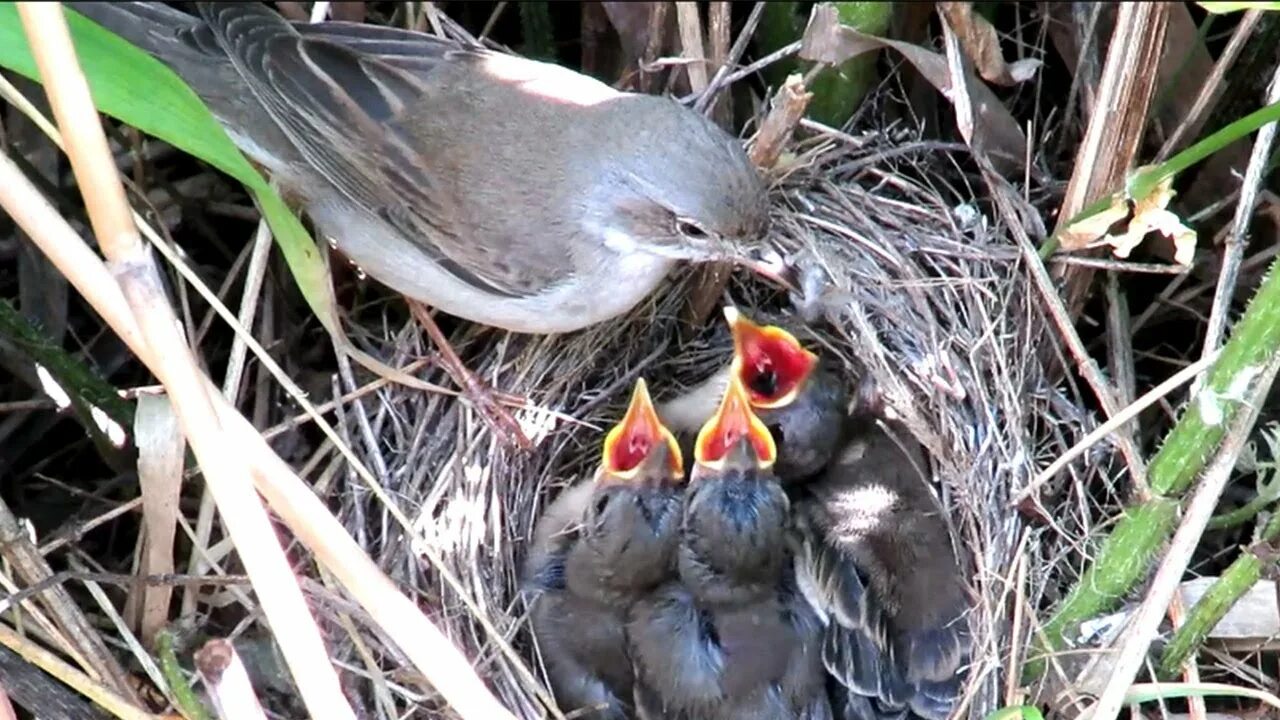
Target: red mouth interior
(772, 365)
(733, 423)
(633, 444)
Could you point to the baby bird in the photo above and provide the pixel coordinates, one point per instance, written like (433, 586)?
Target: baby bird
(874, 557)
(597, 548)
(732, 638)
(876, 562)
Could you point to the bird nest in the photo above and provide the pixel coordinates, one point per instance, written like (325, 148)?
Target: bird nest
(909, 282)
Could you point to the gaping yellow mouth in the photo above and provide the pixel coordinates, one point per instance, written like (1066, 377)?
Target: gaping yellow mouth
(772, 364)
(733, 421)
(636, 436)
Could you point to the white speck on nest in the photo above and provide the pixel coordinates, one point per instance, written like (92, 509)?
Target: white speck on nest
(969, 216)
(463, 517)
(536, 422)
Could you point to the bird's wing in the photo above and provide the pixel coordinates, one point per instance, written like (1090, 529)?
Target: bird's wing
(554, 533)
(871, 545)
(855, 649)
(346, 98)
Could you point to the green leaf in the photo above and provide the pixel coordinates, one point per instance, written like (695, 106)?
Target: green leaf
(135, 88)
(1229, 7)
(1015, 712)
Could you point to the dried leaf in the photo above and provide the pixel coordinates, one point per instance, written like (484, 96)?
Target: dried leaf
(1085, 233)
(161, 454)
(994, 131)
(982, 45)
(1150, 214)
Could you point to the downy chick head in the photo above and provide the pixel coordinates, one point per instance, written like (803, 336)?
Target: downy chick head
(736, 513)
(630, 527)
(797, 396)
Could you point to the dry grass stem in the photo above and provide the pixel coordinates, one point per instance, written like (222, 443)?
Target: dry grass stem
(1212, 88)
(101, 695)
(228, 684)
(1117, 121)
(789, 104)
(1131, 411)
(1233, 252)
(224, 469)
(72, 630)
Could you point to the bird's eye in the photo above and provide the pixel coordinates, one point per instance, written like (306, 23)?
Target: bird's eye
(691, 229)
(602, 502)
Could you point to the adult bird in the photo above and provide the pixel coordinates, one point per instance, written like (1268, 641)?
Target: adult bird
(732, 637)
(874, 554)
(513, 193)
(599, 547)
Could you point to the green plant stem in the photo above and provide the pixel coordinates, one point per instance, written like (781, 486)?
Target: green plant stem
(1142, 183)
(185, 697)
(838, 90)
(1126, 555)
(1243, 514)
(1205, 615)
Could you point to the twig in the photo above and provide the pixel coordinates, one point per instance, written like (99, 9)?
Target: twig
(1233, 253)
(83, 644)
(1119, 117)
(85, 685)
(1133, 643)
(691, 47)
(788, 106)
(1087, 366)
(228, 683)
(1120, 265)
(723, 77)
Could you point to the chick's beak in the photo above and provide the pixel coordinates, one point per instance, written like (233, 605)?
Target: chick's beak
(641, 444)
(772, 363)
(733, 429)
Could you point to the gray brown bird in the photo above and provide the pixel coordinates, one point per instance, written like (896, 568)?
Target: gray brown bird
(602, 544)
(876, 562)
(732, 638)
(875, 556)
(509, 192)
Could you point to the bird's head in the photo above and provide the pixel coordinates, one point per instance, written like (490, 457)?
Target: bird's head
(632, 522)
(679, 187)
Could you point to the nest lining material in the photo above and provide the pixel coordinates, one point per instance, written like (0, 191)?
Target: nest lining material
(908, 283)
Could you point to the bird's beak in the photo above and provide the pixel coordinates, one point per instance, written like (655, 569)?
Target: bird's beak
(640, 445)
(768, 262)
(734, 438)
(772, 363)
